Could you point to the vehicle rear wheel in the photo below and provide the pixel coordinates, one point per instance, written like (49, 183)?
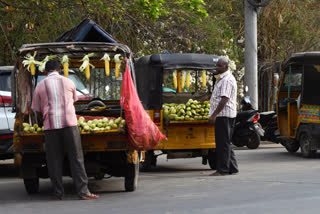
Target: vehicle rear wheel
(131, 179)
(253, 141)
(150, 160)
(31, 185)
(305, 145)
(291, 146)
(212, 159)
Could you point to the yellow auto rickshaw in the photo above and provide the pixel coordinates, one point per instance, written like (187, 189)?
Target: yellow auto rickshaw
(104, 140)
(175, 89)
(298, 103)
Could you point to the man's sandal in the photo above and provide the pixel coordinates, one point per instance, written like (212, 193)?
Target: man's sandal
(88, 197)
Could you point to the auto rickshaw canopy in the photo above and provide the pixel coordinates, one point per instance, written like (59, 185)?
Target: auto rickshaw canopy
(307, 64)
(149, 72)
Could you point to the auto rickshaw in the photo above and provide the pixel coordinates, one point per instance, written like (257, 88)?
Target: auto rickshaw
(168, 82)
(298, 103)
(104, 143)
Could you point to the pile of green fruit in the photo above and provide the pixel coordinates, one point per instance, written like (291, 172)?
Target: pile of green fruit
(104, 124)
(192, 110)
(27, 128)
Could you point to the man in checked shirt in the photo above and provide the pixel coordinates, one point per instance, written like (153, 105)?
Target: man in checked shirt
(54, 97)
(223, 110)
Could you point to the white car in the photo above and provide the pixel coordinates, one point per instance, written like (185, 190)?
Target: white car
(6, 114)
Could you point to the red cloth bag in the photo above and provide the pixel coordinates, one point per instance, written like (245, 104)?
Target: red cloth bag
(142, 132)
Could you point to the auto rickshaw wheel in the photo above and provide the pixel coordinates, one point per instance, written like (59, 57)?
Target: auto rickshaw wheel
(131, 179)
(291, 146)
(99, 176)
(305, 145)
(150, 160)
(31, 185)
(212, 159)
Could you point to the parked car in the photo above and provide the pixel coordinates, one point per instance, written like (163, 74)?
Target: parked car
(6, 115)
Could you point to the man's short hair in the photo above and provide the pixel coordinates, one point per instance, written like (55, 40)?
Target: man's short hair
(52, 65)
(224, 60)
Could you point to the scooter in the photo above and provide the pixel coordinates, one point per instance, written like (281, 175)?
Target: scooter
(247, 130)
(268, 121)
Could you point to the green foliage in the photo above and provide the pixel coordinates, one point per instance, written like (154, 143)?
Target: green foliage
(153, 26)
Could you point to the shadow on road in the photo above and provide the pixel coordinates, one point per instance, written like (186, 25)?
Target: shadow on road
(7, 170)
(175, 169)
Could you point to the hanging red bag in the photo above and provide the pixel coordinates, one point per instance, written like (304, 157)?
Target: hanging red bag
(142, 132)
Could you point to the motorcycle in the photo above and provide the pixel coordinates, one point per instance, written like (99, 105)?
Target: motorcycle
(247, 130)
(268, 121)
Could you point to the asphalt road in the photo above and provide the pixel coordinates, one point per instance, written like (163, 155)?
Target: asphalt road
(270, 181)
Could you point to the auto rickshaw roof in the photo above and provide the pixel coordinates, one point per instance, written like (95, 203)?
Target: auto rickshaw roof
(181, 61)
(304, 58)
(73, 48)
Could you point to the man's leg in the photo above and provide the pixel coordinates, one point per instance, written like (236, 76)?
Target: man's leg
(233, 162)
(222, 145)
(55, 156)
(75, 154)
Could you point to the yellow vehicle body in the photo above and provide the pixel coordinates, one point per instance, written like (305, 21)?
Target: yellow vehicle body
(298, 104)
(186, 134)
(185, 138)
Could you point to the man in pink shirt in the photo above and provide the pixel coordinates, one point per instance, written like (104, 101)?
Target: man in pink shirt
(54, 98)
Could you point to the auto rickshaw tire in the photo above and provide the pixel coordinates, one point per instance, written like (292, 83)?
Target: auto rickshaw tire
(305, 144)
(253, 141)
(131, 179)
(99, 176)
(212, 159)
(150, 161)
(96, 103)
(291, 146)
(31, 185)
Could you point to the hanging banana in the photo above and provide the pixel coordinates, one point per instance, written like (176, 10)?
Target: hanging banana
(183, 79)
(65, 64)
(175, 83)
(118, 64)
(188, 79)
(86, 65)
(42, 64)
(106, 59)
(31, 62)
(204, 78)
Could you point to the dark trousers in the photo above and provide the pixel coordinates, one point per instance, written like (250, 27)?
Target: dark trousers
(225, 158)
(61, 141)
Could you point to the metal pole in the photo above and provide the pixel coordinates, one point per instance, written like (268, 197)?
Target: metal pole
(251, 59)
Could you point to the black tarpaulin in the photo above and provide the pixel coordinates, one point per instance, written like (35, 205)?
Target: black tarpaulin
(86, 31)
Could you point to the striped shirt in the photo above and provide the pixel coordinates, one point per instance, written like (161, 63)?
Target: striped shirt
(54, 97)
(226, 86)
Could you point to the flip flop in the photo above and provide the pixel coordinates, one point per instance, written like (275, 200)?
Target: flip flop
(57, 198)
(88, 197)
